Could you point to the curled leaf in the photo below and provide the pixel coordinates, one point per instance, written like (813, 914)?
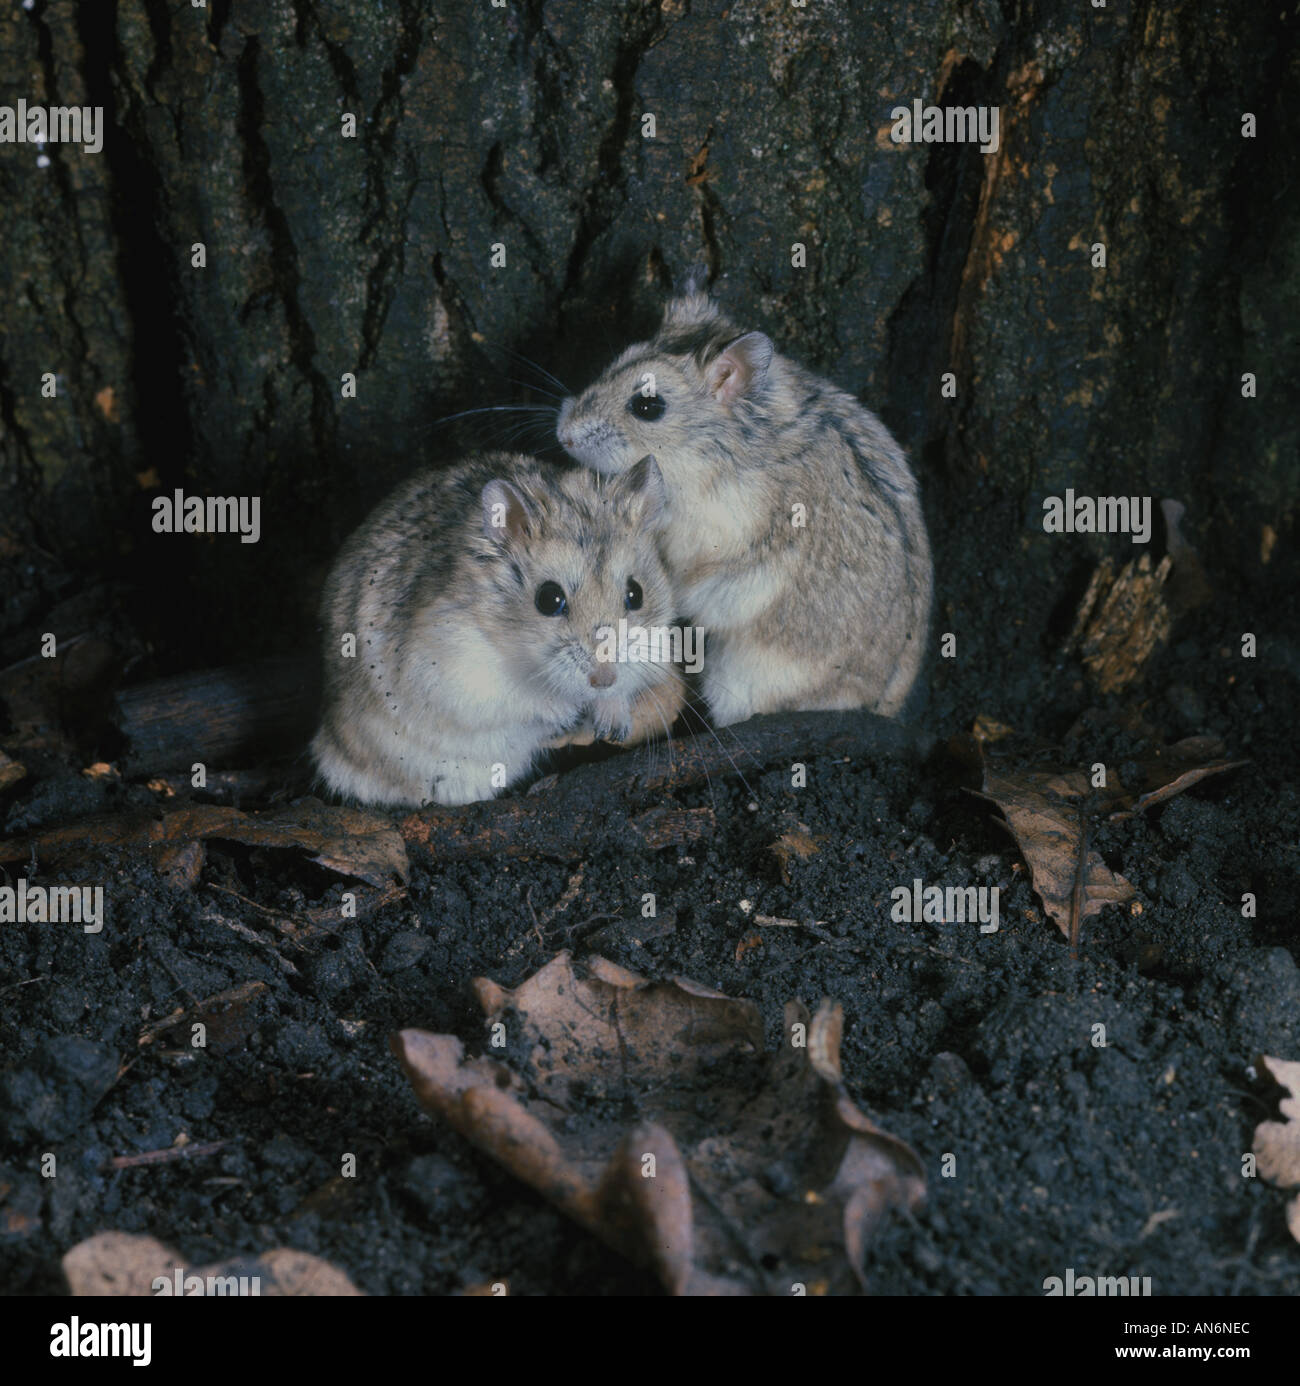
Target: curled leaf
(1277, 1143)
(649, 1112)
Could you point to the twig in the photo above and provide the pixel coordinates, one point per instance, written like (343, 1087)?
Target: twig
(14, 986)
(537, 928)
(254, 937)
(170, 1153)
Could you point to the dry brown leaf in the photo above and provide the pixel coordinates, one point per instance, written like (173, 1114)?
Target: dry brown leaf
(1046, 807)
(1277, 1143)
(350, 841)
(795, 844)
(1168, 772)
(1044, 810)
(764, 1173)
(122, 1263)
(229, 1017)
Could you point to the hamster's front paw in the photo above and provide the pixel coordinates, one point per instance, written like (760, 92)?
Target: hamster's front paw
(612, 721)
(653, 712)
(583, 733)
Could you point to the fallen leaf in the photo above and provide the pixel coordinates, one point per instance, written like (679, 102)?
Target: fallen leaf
(794, 844)
(229, 1017)
(127, 1264)
(1045, 810)
(649, 1113)
(1169, 771)
(1277, 1143)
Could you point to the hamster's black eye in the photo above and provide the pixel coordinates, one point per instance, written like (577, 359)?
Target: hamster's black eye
(633, 596)
(648, 407)
(550, 599)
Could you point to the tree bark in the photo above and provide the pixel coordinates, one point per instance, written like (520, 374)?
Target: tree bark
(526, 127)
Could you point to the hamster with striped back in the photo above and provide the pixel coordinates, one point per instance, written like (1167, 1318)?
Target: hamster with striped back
(792, 530)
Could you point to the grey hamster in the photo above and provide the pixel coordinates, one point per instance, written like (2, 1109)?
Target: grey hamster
(793, 530)
(475, 597)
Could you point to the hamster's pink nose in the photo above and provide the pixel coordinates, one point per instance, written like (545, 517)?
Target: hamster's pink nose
(602, 676)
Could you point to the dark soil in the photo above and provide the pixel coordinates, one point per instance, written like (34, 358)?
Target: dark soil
(1122, 1160)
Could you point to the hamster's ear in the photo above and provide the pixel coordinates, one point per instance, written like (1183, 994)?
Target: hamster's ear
(739, 369)
(641, 488)
(505, 512)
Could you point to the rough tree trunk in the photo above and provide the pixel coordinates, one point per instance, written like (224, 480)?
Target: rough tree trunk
(523, 126)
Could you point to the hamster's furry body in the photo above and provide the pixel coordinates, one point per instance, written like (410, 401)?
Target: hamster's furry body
(830, 613)
(465, 657)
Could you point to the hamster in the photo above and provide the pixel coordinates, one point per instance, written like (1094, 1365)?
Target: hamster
(793, 529)
(477, 598)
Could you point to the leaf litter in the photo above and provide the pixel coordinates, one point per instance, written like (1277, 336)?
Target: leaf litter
(1049, 809)
(651, 1114)
(128, 1264)
(1277, 1143)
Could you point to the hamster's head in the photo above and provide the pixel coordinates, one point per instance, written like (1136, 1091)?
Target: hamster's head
(692, 393)
(568, 561)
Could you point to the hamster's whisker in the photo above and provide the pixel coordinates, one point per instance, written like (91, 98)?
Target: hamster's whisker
(524, 430)
(708, 726)
(497, 409)
(527, 361)
(653, 747)
(527, 385)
